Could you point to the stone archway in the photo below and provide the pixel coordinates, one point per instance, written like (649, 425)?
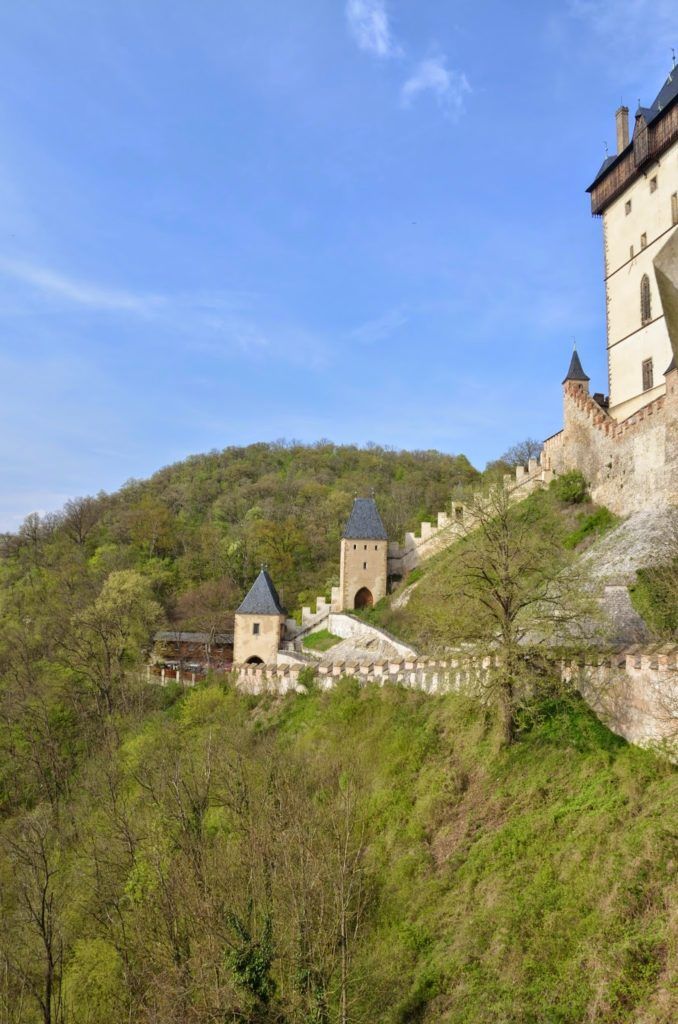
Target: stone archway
(363, 599)
(254, 660)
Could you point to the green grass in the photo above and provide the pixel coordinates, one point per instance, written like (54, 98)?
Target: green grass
(532, 885)
(320, 641)
(592, 525)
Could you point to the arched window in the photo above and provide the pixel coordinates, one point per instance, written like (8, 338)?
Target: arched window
(645, 300)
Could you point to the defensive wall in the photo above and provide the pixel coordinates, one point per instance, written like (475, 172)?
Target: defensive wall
(634, 691)
(432, 537)
(628, 464)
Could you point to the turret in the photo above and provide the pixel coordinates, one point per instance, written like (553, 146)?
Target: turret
(576, 379)
(364, 557)
(259, 624)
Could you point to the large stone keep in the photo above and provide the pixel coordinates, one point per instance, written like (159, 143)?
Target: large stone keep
(626, 444)
(364, 557)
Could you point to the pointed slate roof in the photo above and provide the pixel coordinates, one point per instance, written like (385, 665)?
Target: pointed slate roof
(576, 370)
(667, 94)
(262, 598)
(364, 522)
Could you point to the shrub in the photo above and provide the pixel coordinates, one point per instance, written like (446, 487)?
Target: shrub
(570, 488)
(593, 525)
(655, 598)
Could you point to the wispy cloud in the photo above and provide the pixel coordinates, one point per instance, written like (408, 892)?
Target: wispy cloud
(82, 293)
(217, 323)
(369, 24)
(380, 328)
(448, 86)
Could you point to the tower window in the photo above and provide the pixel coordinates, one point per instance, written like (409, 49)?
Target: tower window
(364, 565)
(645, 300)
(627, 207)
(674, 208)
(355, 546)
(648, 375)
(376, 547)
(366, 547)
(643, 240)
(653, 184)
(256, 628)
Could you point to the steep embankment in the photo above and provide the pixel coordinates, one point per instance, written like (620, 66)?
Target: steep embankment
(608, 554)
(209, 858)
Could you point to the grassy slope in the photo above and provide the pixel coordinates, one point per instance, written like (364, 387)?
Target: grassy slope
(583, 524)
(528, 886)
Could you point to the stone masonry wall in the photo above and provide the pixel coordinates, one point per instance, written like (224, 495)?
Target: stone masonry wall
(635, 692)
(629, 465)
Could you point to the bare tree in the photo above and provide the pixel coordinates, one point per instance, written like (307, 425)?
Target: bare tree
(520, 454)
(31, 916)
(511, 588)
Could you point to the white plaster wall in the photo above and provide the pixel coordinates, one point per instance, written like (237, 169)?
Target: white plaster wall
(629, 343)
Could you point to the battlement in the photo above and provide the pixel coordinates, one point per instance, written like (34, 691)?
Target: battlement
(630, 463)
(634, 691)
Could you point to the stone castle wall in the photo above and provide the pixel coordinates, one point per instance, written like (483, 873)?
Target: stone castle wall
(629, 464)
(635, 692)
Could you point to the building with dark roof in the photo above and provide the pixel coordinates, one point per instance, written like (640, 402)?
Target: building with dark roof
(363, 572)
(259, 624)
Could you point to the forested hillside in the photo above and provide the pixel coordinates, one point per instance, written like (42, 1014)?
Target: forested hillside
(365, 855)
(199, 530)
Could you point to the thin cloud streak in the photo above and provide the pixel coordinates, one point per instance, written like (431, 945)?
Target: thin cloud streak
(379, 328)
(81, 293)
(369, 25)
(217, 323)
(448, 86)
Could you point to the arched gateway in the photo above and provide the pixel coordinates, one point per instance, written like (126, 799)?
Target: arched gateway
(363, 599)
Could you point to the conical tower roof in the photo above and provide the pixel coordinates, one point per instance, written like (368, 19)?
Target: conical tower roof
(262, 598)
(576, 370)
(364, 522)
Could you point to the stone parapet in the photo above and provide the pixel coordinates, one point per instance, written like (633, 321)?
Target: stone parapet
(634, 691)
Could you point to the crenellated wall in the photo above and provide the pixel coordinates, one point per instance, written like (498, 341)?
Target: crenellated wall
(635, 691)
(629, 464)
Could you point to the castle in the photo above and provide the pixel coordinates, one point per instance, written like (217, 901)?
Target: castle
(626, 443)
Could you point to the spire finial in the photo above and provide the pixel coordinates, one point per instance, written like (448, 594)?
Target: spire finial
(607, 152)
(673, 54)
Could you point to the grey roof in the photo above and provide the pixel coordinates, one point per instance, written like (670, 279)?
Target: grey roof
(667, 94)
(671, 366)
(178, 636)
(576, 370)
(364, 522)
(262, 598)
(665, 97)
(607, 162)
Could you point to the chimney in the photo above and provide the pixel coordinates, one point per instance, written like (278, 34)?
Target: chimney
(622, 117)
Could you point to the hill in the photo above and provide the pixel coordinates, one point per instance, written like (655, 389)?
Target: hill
(200, 529)
(363, 851)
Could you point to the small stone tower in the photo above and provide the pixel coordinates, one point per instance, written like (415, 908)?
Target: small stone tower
(259, 624)
(364, 557)
(575, 375)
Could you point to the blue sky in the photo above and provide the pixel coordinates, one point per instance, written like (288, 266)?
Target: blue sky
(224, 221)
